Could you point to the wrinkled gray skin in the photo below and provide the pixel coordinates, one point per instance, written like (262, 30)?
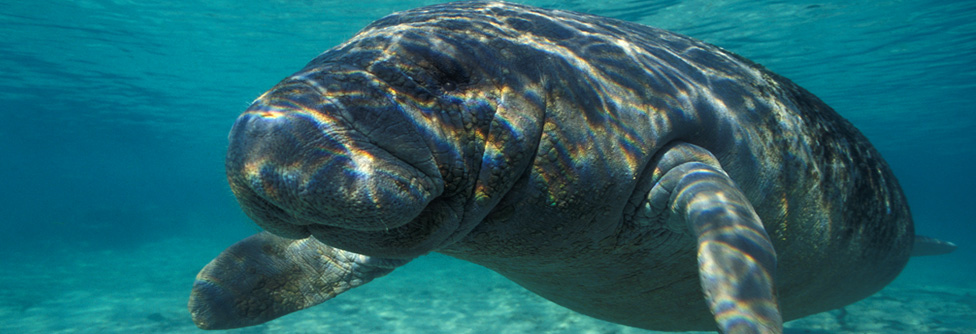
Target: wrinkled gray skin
(625, 172)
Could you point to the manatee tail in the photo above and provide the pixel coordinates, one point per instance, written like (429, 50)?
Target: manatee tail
(925, 246)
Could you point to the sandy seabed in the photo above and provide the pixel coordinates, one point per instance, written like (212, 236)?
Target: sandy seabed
(144, 289)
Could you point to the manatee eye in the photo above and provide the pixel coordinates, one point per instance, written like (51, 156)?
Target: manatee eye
(449, 86)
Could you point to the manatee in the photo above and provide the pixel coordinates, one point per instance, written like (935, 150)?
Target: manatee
(625, 172)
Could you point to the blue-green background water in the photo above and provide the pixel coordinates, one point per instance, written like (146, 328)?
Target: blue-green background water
(114, 114)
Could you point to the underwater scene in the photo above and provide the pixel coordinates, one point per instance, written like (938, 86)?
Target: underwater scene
(114, 135)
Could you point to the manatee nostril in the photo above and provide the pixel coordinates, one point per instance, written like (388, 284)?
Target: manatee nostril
(263, 142)
(298, 158)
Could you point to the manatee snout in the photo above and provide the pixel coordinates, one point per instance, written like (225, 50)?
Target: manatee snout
(299, 161)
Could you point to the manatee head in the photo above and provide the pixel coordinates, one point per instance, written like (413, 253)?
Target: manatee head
(398, 141)
(330, 154)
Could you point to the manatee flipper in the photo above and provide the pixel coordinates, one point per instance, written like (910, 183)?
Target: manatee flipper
(265, 276)
(925, 246)
(735, 256)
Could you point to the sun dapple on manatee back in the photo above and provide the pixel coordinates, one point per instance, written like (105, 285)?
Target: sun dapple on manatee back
(625, 172)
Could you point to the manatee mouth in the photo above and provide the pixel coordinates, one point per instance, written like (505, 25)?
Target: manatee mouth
(418, 236)
(298, 168)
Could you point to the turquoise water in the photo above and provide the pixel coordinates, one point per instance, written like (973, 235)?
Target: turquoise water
(115, 115)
